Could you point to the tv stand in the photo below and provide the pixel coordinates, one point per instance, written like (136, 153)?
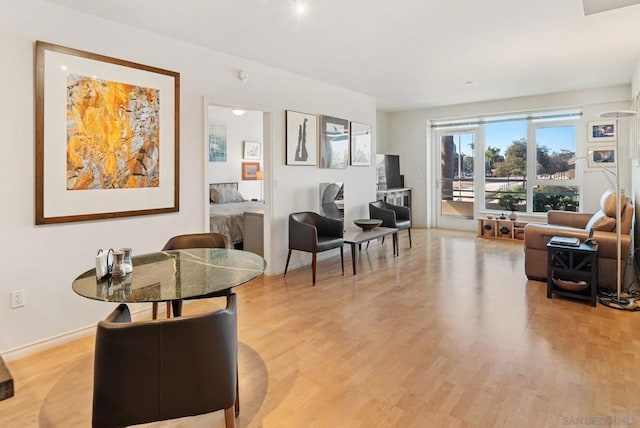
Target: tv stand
(400, 196)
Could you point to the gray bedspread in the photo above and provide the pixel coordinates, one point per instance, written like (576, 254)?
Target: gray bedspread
(228, 220)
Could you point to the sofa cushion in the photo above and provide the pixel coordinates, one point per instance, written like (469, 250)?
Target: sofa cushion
(602, 222)
(608, 203)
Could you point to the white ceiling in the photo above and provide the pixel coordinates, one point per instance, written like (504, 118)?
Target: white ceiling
(407, 53)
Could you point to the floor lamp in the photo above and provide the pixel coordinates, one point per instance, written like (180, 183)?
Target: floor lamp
(618, 302)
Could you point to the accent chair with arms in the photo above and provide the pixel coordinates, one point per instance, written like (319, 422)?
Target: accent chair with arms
(165, 369)
(571, 224)
(391, 215)
(313, 233)
(192, 240)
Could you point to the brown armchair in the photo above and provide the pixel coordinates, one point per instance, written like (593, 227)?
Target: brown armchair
(313, 233)
(570, 224)
(192, 240)
(391, 215)
(165, 369)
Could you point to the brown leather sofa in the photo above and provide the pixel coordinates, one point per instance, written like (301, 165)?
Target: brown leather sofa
(571, 224)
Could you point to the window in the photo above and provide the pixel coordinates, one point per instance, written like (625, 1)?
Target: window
(505, 155)
(526, 162)
(554, 185)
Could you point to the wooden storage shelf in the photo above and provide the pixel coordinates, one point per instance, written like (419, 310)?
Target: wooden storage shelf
(498, 228)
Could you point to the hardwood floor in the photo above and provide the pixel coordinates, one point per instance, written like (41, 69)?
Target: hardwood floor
(450, 333)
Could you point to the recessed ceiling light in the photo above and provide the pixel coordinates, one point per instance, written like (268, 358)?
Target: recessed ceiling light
(298, 7)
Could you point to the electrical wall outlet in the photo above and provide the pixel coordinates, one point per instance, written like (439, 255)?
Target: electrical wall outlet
(17, 299)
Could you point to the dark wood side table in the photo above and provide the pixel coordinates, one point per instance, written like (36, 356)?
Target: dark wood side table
(573, 271)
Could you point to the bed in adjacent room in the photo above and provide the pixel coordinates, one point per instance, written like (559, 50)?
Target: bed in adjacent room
(226, 210)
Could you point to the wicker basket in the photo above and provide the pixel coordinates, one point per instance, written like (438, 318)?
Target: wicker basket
(568, 285)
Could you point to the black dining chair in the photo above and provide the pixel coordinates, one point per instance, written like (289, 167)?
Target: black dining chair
(313, 233)
(165, 369)
(391, 215)
(192, 240)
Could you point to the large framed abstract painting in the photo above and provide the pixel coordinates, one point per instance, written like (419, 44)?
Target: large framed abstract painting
(302, 138)
(334, 146)
(360, 144)
(107, 137)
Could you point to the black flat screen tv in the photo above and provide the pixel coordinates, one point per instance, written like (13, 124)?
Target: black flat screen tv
(389, 172)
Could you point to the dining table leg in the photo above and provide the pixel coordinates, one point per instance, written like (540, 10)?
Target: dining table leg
(176, 305)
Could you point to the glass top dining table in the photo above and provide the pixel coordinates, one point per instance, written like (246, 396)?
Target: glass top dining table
(173, 276)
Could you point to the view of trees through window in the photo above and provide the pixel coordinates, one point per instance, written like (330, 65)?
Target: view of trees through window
(519, 174)
(507, 168)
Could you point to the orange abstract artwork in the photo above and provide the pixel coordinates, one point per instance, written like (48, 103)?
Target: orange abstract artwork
(113, 135)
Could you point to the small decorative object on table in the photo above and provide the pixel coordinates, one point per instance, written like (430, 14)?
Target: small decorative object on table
(118, 267)
(367, 223)
(128, 264)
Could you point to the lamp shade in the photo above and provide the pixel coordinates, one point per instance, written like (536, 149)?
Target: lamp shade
(259, 175)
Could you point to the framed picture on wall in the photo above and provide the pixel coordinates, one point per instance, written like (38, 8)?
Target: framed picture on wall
(252, 150)
(301, 138)
(601, 130)
(334, 145)
(107, 137)
(250, 170)
(217, 138)
(602, 156)
(360, 144)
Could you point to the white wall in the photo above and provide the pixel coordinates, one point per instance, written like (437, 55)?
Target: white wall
(409, 137)
(44, 260)
(247, 127)
(382, 127)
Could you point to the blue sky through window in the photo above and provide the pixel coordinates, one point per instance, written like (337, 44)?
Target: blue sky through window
(556, 138)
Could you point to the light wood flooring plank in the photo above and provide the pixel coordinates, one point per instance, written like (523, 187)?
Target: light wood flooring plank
(450, 333)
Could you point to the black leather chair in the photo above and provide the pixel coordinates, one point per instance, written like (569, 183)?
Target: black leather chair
(192, 240)
(391, 215)
(165, 369)
(313, 233)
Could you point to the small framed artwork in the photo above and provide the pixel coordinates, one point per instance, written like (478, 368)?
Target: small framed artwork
(301, 138)
(601, 130)
(604, 156)
(252, 150)
(360, 144)
(334, 147)
(250, 170)
(107, 137)
(217, 140)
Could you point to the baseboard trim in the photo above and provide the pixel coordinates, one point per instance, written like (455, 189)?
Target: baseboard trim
(64, 338)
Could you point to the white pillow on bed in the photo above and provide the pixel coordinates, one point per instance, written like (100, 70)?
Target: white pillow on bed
(225, 196)
(231, 195)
